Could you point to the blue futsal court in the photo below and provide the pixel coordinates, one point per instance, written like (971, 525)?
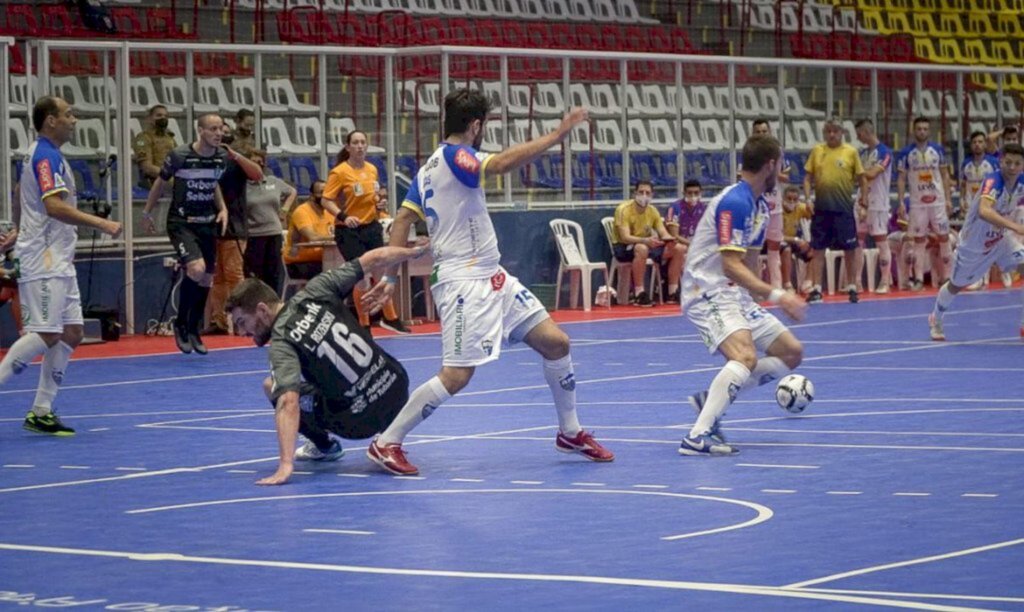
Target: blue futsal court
(900, 487)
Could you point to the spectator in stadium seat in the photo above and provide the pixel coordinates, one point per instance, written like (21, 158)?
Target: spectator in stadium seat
(640, 233)
(264, 200)
(833, 170)
(152, 145)
(308, 222)
(793, 239)
(244, 137)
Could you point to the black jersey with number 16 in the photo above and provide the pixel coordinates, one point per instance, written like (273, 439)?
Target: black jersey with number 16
(316, 341)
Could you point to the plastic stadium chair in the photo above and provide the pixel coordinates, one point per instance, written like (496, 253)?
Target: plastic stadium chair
(572, 252)
(303, 173)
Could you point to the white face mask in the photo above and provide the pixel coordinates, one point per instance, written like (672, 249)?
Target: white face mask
(642, 200)
(692, 200)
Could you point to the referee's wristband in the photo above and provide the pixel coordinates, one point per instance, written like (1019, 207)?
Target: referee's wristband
(775, 295)
(390, 279)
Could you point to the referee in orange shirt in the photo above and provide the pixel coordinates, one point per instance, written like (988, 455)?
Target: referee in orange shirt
(351, 195)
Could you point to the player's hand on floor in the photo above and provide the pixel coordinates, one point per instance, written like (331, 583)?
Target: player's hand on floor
(794, 307)
(280, 477)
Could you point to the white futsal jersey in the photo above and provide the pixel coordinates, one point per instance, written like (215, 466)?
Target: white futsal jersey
(978, 235)
(46, 246)
(448, 193)
(924, 174)
(733, 221)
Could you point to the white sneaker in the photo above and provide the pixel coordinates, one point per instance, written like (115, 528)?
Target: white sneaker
(935, 328)
(309, 452)
(882, 289)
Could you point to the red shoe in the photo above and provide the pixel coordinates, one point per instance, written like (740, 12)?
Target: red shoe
(584, 444)
(391, 457)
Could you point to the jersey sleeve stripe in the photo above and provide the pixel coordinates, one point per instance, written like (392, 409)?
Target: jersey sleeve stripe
(414, 208)
(732, 247)
(54, 192)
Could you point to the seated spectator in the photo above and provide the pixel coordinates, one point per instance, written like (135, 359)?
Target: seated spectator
(682, 217)
(264, 200)
(794, 243)
(308, 222)
(639, 234)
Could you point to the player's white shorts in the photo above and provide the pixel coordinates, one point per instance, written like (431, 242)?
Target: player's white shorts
(720, 314)
(925, 218)
(476, 315)
(970, 266)
(1019, 214)
(48, 304)
(875, 223)
(774, 231)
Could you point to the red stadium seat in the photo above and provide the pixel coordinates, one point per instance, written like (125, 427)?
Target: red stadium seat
(21, 21)
(57, 21)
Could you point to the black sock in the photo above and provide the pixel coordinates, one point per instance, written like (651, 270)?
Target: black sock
(198, 309)
(186, 299)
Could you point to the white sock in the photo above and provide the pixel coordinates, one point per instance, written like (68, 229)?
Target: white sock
(946, 254)
(55, 362)
(942, 301)
(885, 262)
(920, 256)
(774, 269)
(723, 390)
(562, 382)
(21, 353)
(766, 370)
(422, 403)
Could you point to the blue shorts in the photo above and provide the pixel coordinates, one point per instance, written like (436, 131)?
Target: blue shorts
(624, 253)
(833, 229)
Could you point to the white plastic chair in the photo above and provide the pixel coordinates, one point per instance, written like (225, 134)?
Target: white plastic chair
(89, 139)
(622, 270)
(831, 257)
(548, 99)
(277, 140)
(211, 91)
(572, 252)
(142, 96)
(174, 89)
(800, 135)
(605, 99)
(19, 101)
(281, 93)
(19, 137)
(70, 89)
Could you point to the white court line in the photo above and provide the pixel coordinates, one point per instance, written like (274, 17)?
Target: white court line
(466, 479)
(714, 489)
(242, 472)
(100, 429)
(649, 486)
(409, 477)
(526, 482)
(862, 432)
(921, 595)
(182, 470)
(588, 484)
(918, 561)
(784, 467)
(778, 490)
(145, 414)
(145, 381)
(979, 495)
(350, 475)
(910, 369)
(75, 467)
(301, 473)
(741, 589)
(130, 469)
(844, 492)
(19, 465)
(340, 531)
(911, 494)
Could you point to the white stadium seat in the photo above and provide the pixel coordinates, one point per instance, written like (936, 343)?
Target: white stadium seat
(281, 93)
(70, 89)
(276, 139)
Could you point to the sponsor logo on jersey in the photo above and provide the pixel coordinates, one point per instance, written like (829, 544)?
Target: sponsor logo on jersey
(467, 161)
(724, 227)
(498, 281)
(988, 186)
(46, 182)
(487, 346)
(928, 199)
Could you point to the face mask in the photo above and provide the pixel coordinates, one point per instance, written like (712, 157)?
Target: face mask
(161, 124)
(227, 139)
(692, 200)
(643, 200)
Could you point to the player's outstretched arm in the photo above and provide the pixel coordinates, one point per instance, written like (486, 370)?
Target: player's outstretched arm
(736, 270)
(60, 210)
(386, 258)
(286, 417)
(524, 153)
(375, 298)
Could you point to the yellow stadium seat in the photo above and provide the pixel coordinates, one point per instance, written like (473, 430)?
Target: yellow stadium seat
(898, 5)
(951, 24)
(1007, 25)
(924, 48)
(1012, 7)
(984, 80)
(873, 21)
(923, 24)
(899, 23)
(1003, 53)
(976, 53)
(1013, 82)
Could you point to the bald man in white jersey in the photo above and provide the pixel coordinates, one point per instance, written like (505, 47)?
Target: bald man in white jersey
(479, 303)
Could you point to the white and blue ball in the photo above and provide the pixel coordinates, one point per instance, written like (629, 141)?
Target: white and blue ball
(794, 393)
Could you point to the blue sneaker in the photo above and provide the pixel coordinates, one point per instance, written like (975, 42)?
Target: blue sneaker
(309, 452)
(705, 445)
(697, 401)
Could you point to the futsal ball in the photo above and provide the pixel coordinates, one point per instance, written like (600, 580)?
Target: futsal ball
(794, 393)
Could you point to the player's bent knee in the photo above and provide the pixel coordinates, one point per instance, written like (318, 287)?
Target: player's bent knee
(73, 335)
(640, 251)
(268, 386)
(455, 379)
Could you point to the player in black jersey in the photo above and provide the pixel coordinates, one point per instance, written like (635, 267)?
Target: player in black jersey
(327, 374)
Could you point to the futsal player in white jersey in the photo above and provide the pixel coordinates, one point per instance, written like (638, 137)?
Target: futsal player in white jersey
(479, 303)
(875, 210)
(988, 236)
(973, 171)
(719, 292)
(48, 286)
(773, 240)
(924, 168)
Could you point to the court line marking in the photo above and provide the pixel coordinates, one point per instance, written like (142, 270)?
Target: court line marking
(714, 489)
(340, 531)
(100, 429)
(143, 414)
(911, 369)
(588, 484)
(650, 486)
(918, 561)
(241, 471)
(526, 482)
(19, 465)
(466, 479)
(973, 449)
(979, 495)
(739, 589)
(763, 512)
(778, 490)
(911, 494)
(844, 492)
(351, 475)
(862, 432)
(921, 595)
(784, 467)
(75, 467)
(130, 469)
(231, 464)
(145, 381)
